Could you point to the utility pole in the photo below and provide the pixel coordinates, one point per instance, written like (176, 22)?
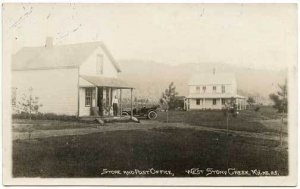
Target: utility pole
(281, 129)
(227, 118)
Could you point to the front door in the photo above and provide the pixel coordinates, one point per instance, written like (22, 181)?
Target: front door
(100, 100)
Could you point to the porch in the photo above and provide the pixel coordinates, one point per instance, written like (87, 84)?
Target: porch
(101, 97)
(214, 102)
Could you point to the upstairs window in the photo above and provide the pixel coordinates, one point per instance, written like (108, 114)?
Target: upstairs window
(204, 88)
(99, 64)
(214, 89)
(197, 89)
(223, 88)
(88, 96)
(214, 101)
(223, 101)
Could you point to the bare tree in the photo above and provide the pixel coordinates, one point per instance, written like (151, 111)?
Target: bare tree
(29, 103)
(168, 99)
(169, 96)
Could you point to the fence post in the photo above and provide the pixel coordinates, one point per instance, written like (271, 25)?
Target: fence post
(227, 115)
(131, 104)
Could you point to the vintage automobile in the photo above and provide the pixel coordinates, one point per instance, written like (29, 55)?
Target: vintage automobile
(144, 112)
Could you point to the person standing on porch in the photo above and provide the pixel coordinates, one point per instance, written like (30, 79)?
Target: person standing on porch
(115, 105)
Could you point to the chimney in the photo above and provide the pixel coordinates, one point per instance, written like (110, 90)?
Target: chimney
(49, 42)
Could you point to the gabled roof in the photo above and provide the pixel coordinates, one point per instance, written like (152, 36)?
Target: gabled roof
(106, 82)
(62, 56)
(212, 79)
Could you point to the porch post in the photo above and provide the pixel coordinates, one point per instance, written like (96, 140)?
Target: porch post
(120, 109)
(242, 104)
(131, 105)
(96, 96)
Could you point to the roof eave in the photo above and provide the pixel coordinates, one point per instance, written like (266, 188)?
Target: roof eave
(53, 68)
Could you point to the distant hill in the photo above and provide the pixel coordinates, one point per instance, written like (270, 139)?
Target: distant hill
(150, 78)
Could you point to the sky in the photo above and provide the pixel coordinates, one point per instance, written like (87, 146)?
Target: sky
(262, 36)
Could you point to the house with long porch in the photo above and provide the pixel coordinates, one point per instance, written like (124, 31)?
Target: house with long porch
(75, 79)
(213, 91)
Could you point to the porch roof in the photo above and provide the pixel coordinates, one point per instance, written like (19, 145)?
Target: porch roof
(106, 82)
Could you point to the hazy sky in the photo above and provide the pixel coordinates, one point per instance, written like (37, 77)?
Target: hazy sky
(252, 35)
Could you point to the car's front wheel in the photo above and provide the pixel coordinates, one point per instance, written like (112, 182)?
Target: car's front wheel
(152, 115)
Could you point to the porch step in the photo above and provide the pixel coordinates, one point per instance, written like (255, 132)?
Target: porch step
(120, 119)
(102, 120)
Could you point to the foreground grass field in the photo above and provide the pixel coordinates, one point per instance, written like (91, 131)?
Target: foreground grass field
(177, 149)
(25, 125)
(247, 120)
(170, 149)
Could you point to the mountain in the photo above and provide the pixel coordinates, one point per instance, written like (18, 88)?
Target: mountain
(151, 78)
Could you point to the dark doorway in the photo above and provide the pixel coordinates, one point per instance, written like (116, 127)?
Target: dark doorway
(100, 100)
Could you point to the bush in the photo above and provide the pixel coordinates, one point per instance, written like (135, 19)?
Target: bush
(47, 116)
(257, 109)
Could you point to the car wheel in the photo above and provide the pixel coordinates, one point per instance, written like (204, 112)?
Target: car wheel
(152, 115)
(125, 114)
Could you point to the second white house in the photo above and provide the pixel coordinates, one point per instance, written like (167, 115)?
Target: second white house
(213, 91)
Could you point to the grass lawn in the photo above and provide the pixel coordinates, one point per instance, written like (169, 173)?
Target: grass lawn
(169, 149)
(247, 120)
(25, 125)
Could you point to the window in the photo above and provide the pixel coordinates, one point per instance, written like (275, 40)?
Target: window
(214, 101)
(99, 64)
(204, 88)
(223, 101)
(88, 96)
(223, 88)
(14, 96)
(198, 89)
(198, 101)
(214, 89)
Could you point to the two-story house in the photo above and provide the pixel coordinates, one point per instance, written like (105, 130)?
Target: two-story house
(213, 91)
(76, 79)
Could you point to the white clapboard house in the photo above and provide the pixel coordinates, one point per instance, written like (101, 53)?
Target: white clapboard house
(76, 79)
(213, 91)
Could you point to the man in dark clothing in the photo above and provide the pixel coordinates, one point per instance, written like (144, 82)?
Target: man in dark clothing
(115, 106)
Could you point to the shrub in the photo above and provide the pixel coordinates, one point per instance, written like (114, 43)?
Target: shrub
(257, 109)
(41, 116)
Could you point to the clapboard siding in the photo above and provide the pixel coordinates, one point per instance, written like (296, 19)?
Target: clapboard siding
(57, 89)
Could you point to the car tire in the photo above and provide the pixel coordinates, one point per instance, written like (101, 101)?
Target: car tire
(125, 114)
(152, 115)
